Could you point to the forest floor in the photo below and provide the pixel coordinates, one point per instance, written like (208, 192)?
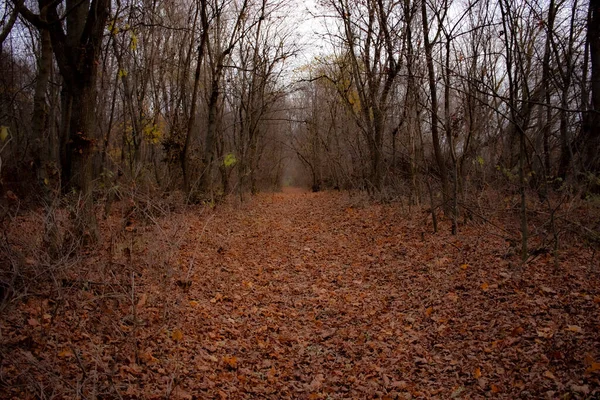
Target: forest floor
(302, 296)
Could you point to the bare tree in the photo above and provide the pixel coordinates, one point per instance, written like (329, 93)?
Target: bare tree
(76, 47)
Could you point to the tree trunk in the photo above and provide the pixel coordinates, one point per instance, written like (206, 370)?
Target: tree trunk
(592, 144)
(192, 117)
(439, 157)
(43, 141)
(211, 130)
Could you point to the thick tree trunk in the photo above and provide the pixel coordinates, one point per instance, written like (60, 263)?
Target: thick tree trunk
(81, 147)
(43, 142)
(211, 131)
(76, 52)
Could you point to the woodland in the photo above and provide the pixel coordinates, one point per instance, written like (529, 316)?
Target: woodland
(239, 199)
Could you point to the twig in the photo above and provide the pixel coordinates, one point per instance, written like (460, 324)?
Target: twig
(485, 220)
(79, 363)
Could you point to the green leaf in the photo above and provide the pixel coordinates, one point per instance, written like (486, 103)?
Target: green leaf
(3, 133)
(230, 160)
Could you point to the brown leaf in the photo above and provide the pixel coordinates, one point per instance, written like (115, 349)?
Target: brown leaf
(517, 331)
(547, 289)
(593, 368)
(230, 362)
(327, 334)
(142, 300)
(218, 297)
(177, 335)
(399, 384)
(546, 333)
(583, 389)
(316, 383)
(66, 353)
(549, 375)
(477, 373)
(147, 358)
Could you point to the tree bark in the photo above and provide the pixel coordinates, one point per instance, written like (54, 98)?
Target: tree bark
(439, 157)
(192, 117)
(592, 145)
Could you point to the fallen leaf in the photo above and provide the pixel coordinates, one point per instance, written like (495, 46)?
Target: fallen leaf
(519, 384)
(593, 368)
(66, 353)
(464, 267)
(327, 334)
(485, 286)
(494, 388)
(218, 297)
(477, 373)
(230, 362)
(574, 328)
(546, 289)
(549, 375)
(583, 389)
(546, 333)
(147, 357)
(457, 392)
(177, 335)
(452, 296)
(180, 394)
(142, 300)
(399, 384)
(193, 303)
(517, 331)
(428, 311)
(33, 322)
(316, 383)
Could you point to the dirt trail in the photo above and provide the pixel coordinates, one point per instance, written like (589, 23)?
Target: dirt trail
(305, 300)
(318, 296)
(313, 297)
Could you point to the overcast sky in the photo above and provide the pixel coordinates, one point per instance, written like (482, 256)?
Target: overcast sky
(310, 28)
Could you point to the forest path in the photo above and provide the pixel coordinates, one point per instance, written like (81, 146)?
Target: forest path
(309, 296)
(304, 295)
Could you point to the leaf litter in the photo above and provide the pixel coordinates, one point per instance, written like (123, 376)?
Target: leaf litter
(302, 295)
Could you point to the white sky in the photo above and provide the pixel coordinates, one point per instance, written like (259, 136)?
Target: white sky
(310, 29)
